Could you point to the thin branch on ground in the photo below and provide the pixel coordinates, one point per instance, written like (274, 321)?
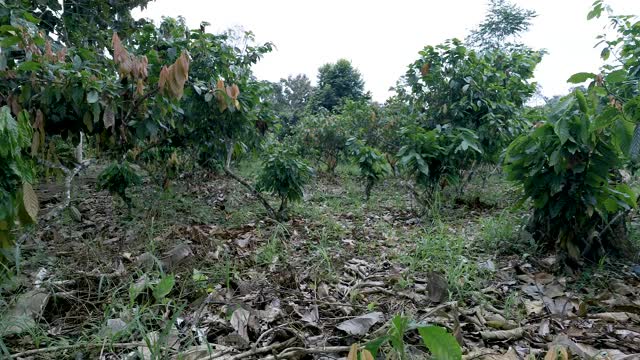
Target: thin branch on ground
(75, 346)
(69, 175)
(256, 193)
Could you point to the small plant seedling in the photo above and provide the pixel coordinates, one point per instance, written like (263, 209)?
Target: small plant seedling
(117, 178)
(285, 176)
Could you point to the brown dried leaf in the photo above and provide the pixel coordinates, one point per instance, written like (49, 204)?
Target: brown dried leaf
(140, 87)
(233, 91)
(437, 287)
(47, 51)
(120, 54)
(239, 321)
(557, 352)
(222, 102)
(162, 81)
(613, 316)
(424, 70)
(108, 118)
(353, 352)
(35, 143)
(30, 201)
(360, 325)
(62, 54)
(501, 335)
(13, 103)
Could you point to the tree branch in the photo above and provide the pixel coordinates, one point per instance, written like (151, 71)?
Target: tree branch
(75, 346)
(256, 193)
(70, 174)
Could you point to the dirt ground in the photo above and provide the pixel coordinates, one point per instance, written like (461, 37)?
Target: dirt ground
(199, 272)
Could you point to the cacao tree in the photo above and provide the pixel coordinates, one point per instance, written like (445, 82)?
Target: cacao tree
(569, 168)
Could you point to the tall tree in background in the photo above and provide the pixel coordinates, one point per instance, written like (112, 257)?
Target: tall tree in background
(336, 83)
(504, 23)
(290, 97)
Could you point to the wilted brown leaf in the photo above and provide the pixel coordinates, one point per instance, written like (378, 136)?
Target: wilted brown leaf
(360, 325)
(108, 117)
(30, 201)
(353, 352)
(239, 321)
(501, 335)
(35, 143)
(173, 78)
(424, 70)
(62, 54)
(222, 102)
(557, 352)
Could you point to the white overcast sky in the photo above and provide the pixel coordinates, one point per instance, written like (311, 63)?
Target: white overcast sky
(382, 37)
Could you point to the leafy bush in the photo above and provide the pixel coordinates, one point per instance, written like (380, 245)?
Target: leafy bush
(482, 91)
(323, 136)
(117, 178)
(373, 165)
(569, 168)
(17, 198)
(284, 176)
(433, 157)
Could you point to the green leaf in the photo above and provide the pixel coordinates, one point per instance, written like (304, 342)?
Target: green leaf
(10, 41)
(29, 66)
(92, 97)
(374, 345)
(441, 344)
(616, 76)
(163, 288)
(581, 77)
(77, 63)
(31, 18)
(562, 130)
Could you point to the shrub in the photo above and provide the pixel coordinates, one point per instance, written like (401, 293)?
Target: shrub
(323, 137)
(569, 168)
(432, 157)
(17, 198)
(285, 176)
(373, 165)
(117, 178)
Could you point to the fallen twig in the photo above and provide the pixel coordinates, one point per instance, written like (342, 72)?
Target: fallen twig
(256, 193)
(262, 350)
(300, 350)
(75, 346)
(70, 174)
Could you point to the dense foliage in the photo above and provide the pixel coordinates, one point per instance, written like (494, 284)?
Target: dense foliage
(336, 83)
(502, 26)
(117, 178)
(17, 198)
(285, 176)
(569, 167)
(324, 138)
(481, 91)
(373, 165)
(433, 157)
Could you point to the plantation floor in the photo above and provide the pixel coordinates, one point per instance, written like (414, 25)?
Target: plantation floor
(99, 285)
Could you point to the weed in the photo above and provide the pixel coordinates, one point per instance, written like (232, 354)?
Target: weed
(503, 235)
(441, 250)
